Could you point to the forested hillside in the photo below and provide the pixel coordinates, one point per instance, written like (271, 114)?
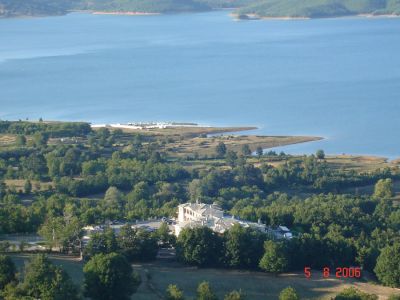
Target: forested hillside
(262, 8)
(215, 4)
(15, 8)
(320, 8)
(150, 6)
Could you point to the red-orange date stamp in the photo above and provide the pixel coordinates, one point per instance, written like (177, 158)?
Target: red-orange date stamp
(341, 272)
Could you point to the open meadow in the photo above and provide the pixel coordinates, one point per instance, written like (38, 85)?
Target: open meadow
(158, 275)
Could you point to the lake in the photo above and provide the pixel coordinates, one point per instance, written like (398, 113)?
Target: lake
(336, 78)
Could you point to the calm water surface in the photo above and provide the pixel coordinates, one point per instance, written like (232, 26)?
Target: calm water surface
(336, 78)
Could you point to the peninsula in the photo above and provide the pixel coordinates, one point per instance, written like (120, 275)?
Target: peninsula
(294, 9)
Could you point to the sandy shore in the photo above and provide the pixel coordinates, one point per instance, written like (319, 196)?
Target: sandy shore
(257, 17)
(378, 16)
(124, 13)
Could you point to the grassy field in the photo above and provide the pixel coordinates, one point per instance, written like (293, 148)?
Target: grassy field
(256, 285)
(207, 146)
(7, 139)
(358, 163)
(157, 276)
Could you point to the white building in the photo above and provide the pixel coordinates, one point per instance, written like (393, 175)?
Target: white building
(192, 215)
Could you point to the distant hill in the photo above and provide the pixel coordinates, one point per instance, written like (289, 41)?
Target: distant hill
(320, 8)
(261, 8)
(227, 3)
(151, 6)
(15, 8)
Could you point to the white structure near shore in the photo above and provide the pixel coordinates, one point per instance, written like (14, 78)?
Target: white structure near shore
(145, 125)
(192, 215)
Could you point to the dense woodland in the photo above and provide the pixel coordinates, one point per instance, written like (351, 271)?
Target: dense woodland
(320, 8)
(262, 8)
(73, 176)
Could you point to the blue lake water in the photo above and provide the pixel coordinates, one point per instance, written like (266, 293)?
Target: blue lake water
(336, 78)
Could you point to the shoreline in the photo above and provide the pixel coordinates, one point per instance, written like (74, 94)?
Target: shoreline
(125, 13)
(236, 133)
(168, 127)
(237, 16)
(253, 16)
(233, 137)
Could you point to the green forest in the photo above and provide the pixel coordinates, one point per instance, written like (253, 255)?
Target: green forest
(261, 8)
(56, 178)
(320, 8)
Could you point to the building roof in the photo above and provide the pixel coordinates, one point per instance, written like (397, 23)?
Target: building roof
(203, 209)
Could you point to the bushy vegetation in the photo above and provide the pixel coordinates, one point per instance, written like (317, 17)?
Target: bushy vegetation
(41, 280)
(52, 129)
(108, 277)
(110, 175)
(354, 294)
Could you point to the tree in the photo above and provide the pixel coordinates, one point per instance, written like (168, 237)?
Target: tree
(20, 140)
(3, 189)
(231, 158)
(174, 293)
(235, 295)
(45, 281)
(220, 149)
(204, 292)
(274, 259)
(383, 189)
(101, 242)
(195, 190)
(320, 154)
(112, 203)
(243, 247)
(198, 246)
(164, 236)
(246, 151)
(28, 187)
(288, 293)
(7, 271)
(113, 197)
(259, 151)
(40, 139)
(51, 231)
(137, 244)
(109, 277)
(61, 232)
(387, 267)
(352, 293)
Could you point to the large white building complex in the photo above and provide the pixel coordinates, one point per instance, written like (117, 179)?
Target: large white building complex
(191, 215)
